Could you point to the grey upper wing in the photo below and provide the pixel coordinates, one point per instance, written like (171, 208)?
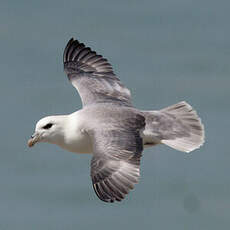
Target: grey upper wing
(92, 75)
(115, 166)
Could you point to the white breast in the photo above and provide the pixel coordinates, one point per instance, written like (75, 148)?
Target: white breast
(76, 138)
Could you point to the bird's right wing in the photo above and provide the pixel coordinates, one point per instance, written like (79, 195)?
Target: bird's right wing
(115, 166)
(93, 76)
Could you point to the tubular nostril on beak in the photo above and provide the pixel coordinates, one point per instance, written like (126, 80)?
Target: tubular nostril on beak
(33, 135)
(33, 140)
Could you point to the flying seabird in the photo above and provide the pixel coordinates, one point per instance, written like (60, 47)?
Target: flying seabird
(110, 127)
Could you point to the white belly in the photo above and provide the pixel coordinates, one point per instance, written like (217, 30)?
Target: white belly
(75, 139)
(79, 143)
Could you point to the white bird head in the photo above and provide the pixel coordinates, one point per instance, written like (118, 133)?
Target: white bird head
(48, 129)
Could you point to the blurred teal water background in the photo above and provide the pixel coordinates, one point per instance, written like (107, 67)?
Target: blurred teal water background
(165, 52)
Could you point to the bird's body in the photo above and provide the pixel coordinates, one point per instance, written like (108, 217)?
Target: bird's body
(110, 128)
(74, 128)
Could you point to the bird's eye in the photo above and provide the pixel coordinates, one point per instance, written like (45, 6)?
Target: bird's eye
(47, 126)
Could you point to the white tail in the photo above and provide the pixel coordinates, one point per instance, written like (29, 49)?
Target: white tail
(177, 126)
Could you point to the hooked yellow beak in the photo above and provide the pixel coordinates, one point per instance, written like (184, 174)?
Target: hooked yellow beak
(33, 140)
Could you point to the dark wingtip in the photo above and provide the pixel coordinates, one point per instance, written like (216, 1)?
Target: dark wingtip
(67, 48)
(78, 52)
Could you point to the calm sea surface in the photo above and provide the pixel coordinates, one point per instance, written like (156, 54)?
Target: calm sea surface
(165, 52)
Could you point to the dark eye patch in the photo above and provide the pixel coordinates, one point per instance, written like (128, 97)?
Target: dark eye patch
(47, 126)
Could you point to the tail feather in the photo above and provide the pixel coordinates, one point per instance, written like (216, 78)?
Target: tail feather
(177, 126)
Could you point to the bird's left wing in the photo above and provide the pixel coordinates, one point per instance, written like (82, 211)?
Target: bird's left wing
(93, 76)
(115, 166)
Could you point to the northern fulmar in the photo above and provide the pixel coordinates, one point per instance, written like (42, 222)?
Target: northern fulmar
(110, 127)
